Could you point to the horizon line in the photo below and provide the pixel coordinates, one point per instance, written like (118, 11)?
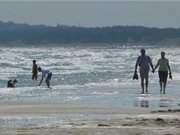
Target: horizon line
(84, 26)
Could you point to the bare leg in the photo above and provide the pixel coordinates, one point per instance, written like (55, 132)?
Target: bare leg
(146, 85)
(164, 88)
(48, 83)
(160, 83)
(36, 77)
(142, 85)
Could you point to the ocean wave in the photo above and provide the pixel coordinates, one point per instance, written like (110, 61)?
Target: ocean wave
(105, 93)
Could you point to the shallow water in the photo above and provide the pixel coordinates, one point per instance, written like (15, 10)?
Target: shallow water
(92, 76)
(100, 77)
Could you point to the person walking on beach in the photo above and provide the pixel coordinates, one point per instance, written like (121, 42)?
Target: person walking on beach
(34, 71)
(144, 62)
(164, 67)
(45, 74)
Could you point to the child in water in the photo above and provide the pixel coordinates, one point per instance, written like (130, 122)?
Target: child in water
(34, 71)
(12, 84)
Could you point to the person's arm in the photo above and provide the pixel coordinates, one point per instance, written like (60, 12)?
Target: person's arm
(157, 65)
(151, 64)
(41, 80)
(137, 63)
(32, 69)
(169, 68)
(152, 67)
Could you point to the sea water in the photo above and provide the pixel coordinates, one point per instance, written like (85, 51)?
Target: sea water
(93, 76)
(88, 76)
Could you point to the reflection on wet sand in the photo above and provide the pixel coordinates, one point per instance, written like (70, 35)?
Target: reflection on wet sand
(145, 103)
(152, 101)
(164, 103)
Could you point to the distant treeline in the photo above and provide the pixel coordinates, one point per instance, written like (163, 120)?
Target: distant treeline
(23, 33)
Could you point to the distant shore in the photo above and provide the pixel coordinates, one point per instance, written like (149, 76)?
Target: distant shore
(24, 33)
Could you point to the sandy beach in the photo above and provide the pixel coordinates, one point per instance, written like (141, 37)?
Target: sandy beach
(115, 121)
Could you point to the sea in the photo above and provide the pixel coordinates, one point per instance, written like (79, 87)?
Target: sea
(88, 76)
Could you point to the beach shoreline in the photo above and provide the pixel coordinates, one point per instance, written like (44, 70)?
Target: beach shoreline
(35, 108)
(126, 121)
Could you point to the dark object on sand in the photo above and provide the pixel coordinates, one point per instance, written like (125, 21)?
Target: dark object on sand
(135, 76)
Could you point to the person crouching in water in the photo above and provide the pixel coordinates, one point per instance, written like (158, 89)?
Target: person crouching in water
(164, 67)
(12, 84)
(45, 74)
(34, 71)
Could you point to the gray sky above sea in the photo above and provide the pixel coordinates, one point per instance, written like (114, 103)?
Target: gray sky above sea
(92, 13)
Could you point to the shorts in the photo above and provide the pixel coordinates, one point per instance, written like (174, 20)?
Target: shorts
(163, 76)
(144, 73)
(49, 76)
(34, 76)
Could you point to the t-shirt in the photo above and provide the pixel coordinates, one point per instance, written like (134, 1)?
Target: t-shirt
(144, 62)
(45, 72)
(163, 64)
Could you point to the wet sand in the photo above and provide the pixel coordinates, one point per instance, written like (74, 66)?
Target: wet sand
(135, 121)
(93, 131)
(43, 108)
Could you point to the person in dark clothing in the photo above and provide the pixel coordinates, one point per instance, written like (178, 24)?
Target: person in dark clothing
(143, 62)
(34, 71)
(12, 84)
(9, 84)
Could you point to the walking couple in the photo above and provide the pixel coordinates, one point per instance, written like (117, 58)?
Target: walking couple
(144, 62)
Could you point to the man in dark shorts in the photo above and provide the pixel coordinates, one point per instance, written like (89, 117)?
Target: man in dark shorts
(164, 67)
(144, 62)
(45, 74)
(34, 71)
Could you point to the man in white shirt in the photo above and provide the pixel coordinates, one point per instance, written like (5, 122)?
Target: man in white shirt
(45, 74)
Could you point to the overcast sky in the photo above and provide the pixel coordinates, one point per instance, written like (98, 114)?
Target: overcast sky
(96, 13)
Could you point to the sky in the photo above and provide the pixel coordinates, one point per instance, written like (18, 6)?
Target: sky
(92, 13)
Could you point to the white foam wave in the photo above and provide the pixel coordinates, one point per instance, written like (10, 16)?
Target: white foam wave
(72, 98)
(104, 93)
